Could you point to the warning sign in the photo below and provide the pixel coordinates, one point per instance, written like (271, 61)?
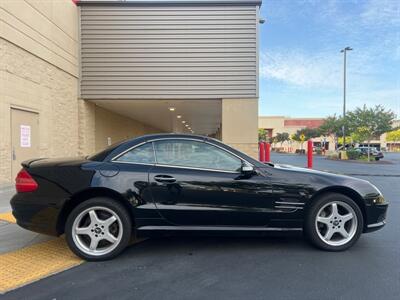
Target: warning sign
(25, 133)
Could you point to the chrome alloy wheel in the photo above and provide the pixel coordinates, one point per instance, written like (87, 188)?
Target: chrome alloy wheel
(336, 223)
(97, 230)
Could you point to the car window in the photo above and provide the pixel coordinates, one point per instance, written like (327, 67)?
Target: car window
(195, 154)
(143, 154)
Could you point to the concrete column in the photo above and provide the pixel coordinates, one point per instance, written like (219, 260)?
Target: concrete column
(87, 127)
(240, 125)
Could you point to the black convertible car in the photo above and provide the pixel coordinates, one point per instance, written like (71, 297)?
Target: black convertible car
(173, 182)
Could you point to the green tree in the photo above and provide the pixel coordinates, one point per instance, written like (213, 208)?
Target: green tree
(369, 123)
(282, 137)
(308, 133)
(273, 141)
(332, 126)
(393, 136)
(361, 134)
(262, 135)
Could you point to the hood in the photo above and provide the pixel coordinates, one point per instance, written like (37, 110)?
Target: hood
(324, 179)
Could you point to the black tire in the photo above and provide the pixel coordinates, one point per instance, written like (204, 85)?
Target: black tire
(377, 158)
(310, 228)
(115, 207)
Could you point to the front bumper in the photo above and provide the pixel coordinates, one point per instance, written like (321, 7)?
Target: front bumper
(376, 216)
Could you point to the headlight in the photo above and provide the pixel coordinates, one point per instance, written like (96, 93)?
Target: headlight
(379, 200)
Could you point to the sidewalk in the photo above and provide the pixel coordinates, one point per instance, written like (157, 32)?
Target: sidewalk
(7, 190)
(13, 237)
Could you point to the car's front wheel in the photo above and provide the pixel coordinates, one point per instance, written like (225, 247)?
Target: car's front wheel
(98, 229)
(334, 222)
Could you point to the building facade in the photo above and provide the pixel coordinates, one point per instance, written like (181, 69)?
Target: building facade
(76, 76)
(280, 124)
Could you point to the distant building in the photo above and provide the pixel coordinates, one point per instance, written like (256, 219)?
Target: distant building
(384, 144)
(280, 124)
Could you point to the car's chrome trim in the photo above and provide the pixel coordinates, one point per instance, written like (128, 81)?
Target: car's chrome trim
(199, 169)
(172, 166)
(289, 203)
(132, 163)
(217, 228)
(379, 224)
(288, 207)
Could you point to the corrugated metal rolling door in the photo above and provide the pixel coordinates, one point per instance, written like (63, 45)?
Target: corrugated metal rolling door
(161, 52)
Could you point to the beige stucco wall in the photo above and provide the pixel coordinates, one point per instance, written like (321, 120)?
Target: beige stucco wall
(116, 127)
(38, 72)
(274, 122)
(33, 84)
(97, 124)
(47, 29)
(240, 124)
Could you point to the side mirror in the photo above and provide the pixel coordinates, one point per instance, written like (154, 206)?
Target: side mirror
(247, 169)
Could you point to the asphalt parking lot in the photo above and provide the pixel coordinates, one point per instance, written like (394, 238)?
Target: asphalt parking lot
(284, 267)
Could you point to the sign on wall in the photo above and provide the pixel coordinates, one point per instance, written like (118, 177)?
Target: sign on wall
(25, 136)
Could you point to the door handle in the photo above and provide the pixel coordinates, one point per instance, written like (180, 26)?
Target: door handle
(164, 178)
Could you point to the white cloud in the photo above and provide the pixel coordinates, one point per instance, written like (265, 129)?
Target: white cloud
(381, 13)
(298, 69)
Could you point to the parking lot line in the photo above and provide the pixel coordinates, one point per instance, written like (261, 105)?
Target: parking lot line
(32, 263)
(8, 217)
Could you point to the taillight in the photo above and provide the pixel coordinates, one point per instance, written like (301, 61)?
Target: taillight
(24, 182)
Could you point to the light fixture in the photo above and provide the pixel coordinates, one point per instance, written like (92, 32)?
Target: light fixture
(183, 122)
(171, 109)
(179, 116)
(186, 125)
(189, 128)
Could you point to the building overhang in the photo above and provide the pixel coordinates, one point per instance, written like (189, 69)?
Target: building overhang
(202, 116)
(169, 2)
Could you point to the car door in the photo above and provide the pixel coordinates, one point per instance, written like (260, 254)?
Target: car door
(197, 183)
(128, 173)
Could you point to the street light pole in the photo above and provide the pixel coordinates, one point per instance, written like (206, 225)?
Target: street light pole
(344, 93)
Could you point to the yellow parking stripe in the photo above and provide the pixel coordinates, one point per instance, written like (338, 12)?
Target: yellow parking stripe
(29, 264)
(8, 217)
(32, 263)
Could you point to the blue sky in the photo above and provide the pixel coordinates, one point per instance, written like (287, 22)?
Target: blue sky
(301, 67)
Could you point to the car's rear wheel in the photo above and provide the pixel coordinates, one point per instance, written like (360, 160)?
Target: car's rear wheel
(98, 229)
(334, 222)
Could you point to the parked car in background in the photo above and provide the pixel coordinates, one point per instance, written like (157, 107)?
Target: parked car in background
(372, 150)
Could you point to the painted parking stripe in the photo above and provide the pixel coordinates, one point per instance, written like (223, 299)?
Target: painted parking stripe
(32, 263)
(8, 217)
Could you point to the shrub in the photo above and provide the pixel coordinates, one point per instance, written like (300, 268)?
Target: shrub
(353, 154)
(333, 155)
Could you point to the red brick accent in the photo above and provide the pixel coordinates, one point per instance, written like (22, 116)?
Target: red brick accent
(304, 122)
